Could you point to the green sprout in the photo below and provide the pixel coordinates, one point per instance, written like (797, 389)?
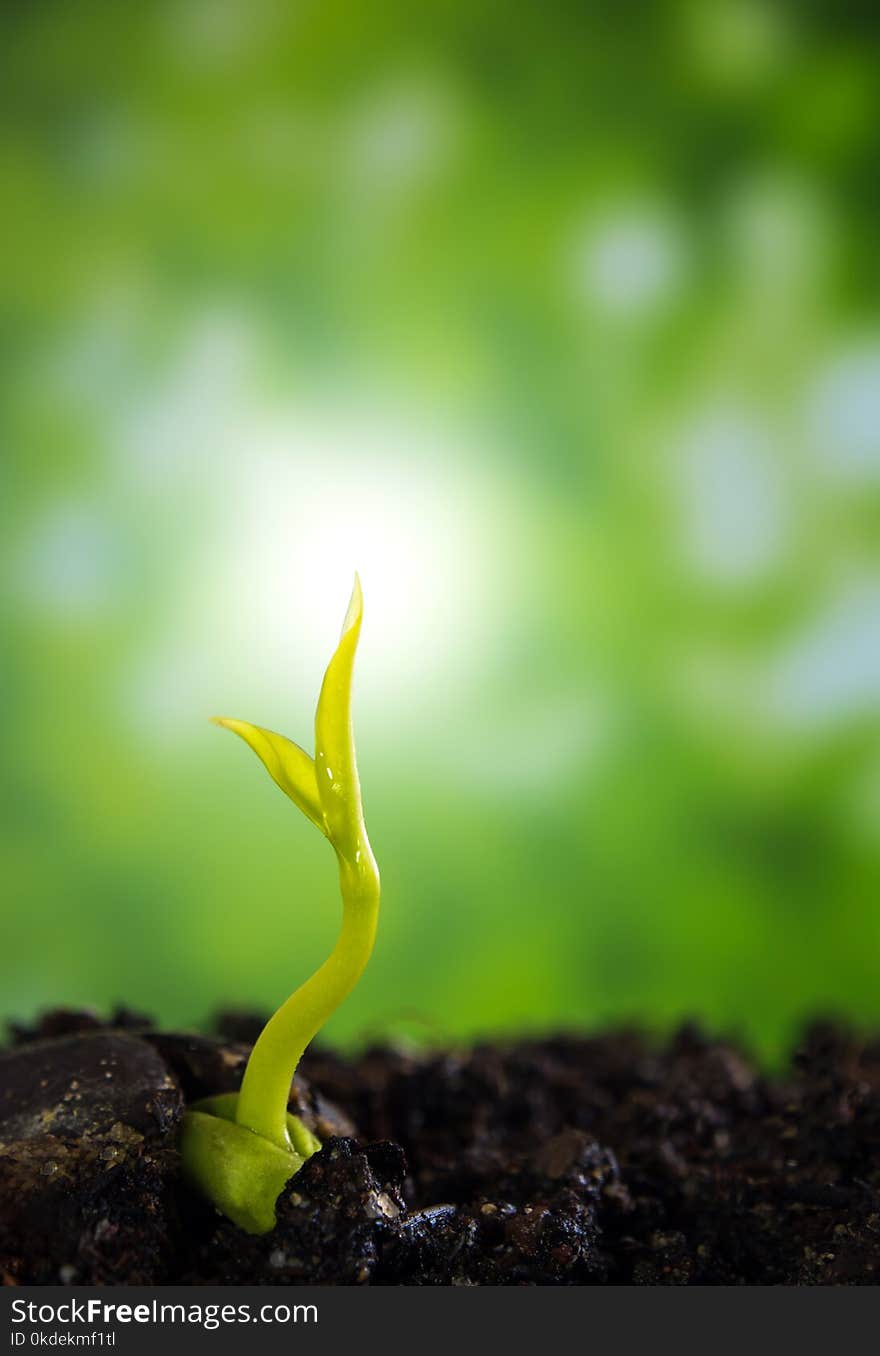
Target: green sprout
(240, 1149)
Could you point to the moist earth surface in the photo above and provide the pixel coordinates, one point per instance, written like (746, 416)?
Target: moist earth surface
(572, 1160)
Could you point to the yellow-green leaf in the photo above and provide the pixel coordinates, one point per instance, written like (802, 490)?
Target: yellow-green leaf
(335, 763)
(289, 765)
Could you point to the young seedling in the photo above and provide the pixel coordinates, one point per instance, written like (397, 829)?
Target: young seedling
(241, 1148)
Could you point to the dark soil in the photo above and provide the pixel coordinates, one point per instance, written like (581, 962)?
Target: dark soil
(567, 1161)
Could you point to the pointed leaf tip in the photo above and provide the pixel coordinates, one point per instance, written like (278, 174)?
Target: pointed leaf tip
(336, 763)
(355, 611)
(289, 766)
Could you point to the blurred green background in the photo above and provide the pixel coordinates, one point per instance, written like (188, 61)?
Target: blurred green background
(560, 323)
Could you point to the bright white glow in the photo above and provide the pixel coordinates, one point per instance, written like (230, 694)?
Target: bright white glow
(285, 520)
(264, 516)
(631, 262)
(310, 508)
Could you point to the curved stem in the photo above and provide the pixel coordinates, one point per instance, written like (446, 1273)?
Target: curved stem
(265, 1089)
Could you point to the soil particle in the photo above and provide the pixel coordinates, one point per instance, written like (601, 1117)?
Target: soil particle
(333, 1222)
(87, 1160)
(566, 1161)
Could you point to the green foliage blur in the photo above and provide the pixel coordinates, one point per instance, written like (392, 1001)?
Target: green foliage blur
(560, 323)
